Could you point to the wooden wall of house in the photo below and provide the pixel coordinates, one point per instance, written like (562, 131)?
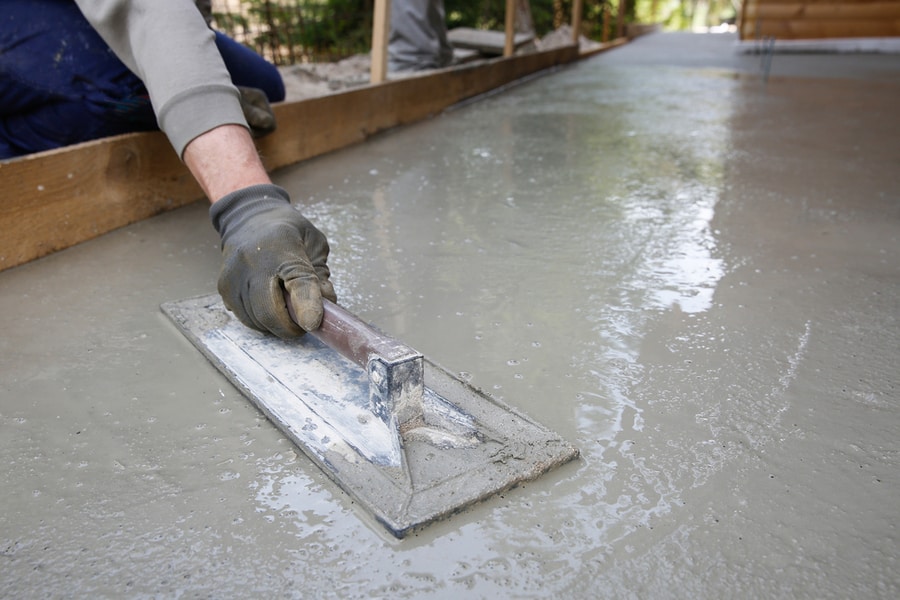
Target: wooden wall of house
(819, 19)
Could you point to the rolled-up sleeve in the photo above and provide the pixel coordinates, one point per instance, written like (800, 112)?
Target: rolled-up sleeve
(168, 45)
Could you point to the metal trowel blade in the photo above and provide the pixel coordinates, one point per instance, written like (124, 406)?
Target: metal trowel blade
(412, 451)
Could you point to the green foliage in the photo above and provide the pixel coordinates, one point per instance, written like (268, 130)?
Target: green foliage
(483, 14)
(288, 31)
(686, 14)
(546, 15)
(491, 14)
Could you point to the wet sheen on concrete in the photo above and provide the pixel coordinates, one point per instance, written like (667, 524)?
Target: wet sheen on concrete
(692, 275)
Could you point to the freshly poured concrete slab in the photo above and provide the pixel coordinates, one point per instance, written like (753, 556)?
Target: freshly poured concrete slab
(691, 275)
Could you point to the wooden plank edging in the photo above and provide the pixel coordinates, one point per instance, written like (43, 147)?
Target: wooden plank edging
(60, 198)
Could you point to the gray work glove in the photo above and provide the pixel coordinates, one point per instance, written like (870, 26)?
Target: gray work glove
(269, 247)
(257, 110)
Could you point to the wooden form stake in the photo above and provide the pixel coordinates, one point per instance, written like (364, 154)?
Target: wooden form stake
(381, 28)
(577, 9)
(509, 46)
(604, 37)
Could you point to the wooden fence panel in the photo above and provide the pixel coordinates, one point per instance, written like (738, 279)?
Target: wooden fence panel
(818, 19)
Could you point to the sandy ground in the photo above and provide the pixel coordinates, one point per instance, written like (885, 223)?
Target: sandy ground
(691, 274)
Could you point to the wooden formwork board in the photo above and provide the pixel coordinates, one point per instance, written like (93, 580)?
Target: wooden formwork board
(55, 199)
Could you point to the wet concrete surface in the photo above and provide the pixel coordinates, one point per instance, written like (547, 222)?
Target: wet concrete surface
(692, 275)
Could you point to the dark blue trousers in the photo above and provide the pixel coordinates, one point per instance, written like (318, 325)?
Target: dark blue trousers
(60, 83)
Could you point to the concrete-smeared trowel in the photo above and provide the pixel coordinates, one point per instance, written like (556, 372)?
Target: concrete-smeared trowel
(407, 440)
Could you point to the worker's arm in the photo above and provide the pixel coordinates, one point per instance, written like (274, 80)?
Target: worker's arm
(267, 245)
(168, 45)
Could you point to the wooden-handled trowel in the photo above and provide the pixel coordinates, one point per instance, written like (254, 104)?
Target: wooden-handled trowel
(407, 440)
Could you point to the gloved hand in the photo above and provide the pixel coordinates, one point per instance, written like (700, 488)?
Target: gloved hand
(269, 247)
(257, 111)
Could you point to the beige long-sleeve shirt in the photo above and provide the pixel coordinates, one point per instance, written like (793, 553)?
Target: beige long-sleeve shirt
(168, 45)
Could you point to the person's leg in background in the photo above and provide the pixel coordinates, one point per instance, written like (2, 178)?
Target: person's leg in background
(418, 38)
